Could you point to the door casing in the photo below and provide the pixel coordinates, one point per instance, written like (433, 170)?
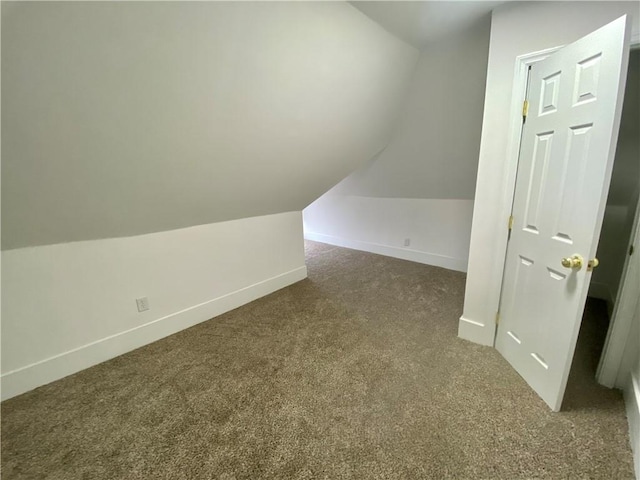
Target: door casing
(608, 373)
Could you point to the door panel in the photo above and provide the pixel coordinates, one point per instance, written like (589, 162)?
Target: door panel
(567, 150)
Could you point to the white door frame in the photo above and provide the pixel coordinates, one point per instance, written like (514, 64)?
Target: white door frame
(608, 373)
(523, 62)
(624, 307)
(620, 324)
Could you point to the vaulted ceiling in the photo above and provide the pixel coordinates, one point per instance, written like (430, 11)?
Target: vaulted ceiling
(419, 23)
(124, 118)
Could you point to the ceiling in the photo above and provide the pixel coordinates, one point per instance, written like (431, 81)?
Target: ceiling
(419, 23)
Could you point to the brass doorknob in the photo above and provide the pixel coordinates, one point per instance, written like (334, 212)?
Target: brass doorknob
(574, 261)
(593, 263)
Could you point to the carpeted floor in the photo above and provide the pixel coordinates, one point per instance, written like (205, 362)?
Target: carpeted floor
(355, 372)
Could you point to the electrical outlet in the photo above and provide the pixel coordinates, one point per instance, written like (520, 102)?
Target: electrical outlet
(143, 304)
(407, 242)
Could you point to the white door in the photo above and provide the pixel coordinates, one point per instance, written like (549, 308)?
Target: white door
(567, 150)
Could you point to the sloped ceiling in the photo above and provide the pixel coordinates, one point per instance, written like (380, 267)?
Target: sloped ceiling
(434, 150)
(123, 118)
(420, 23)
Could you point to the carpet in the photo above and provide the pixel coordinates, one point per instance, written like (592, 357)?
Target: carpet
(353, 373)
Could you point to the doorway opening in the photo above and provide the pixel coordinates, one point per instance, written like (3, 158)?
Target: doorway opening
(613, 251)
(563, 155)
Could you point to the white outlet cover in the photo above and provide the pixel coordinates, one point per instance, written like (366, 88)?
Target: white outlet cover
(143, 304)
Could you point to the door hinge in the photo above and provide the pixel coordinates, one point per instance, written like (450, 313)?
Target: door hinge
(510, 223)
(525, 109)
(631, 250)
(497, 318)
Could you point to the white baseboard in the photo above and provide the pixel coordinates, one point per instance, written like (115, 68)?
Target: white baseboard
(54, 368)
(475, 332)
(451, 263)
(632, 403)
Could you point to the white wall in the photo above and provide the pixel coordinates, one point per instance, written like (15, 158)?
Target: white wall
(632, 390)
(421, 185)
(623, 193)
(165, 149)
(632, 403)
(66, 307)
(518, 28)
(199, 112)
(438, 229)
(629, 371)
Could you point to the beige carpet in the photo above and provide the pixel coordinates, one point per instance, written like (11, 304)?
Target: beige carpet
(355, 372)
